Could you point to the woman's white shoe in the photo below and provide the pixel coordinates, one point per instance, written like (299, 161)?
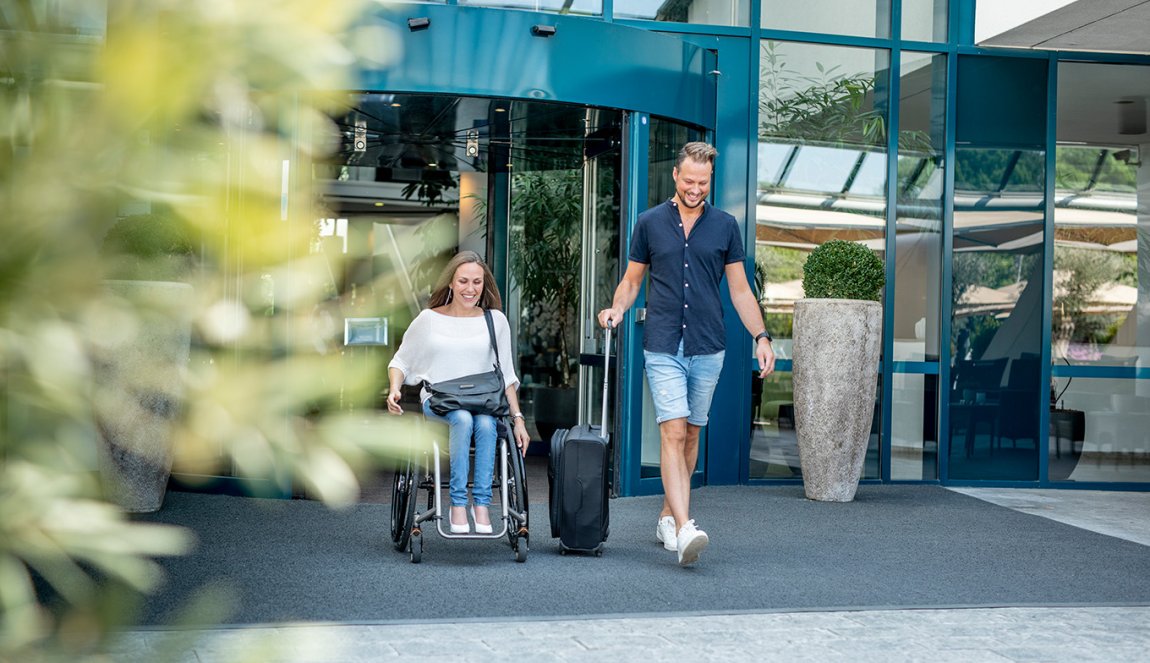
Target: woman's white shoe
(481, 528)
(465, 528)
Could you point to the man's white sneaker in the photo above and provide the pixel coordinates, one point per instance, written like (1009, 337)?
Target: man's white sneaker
(691, 542)
(665, 532)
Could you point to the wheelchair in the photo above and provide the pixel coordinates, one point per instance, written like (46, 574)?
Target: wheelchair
(421, 471)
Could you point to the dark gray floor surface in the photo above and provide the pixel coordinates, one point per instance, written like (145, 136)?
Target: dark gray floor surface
(771, 549)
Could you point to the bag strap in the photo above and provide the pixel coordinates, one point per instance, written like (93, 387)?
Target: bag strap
(491, 336)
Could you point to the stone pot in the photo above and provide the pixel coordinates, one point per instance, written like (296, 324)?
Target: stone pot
(835, 355)
(138, 393)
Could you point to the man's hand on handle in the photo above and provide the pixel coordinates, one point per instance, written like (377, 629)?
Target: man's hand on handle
(610, 315)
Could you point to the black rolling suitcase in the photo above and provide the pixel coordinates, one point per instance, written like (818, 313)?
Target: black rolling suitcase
(577, 475)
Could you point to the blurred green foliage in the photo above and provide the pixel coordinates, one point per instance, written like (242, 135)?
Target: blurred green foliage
(122, 109)
(156, 246)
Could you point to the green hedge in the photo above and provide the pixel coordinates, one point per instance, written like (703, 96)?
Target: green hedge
(843, 270)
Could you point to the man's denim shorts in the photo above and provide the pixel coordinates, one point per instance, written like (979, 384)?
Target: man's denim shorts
(682, 387)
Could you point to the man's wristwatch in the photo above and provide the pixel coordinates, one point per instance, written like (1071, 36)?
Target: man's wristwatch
(517, 415)
(764, 334)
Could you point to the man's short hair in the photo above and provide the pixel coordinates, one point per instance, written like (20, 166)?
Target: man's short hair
(697, 151)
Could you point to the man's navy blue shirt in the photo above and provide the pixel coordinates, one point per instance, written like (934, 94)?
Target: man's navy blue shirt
(683, 300)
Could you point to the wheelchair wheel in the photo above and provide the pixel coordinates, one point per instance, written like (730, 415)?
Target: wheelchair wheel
(517, 532)
(403, 498)
(416, 547)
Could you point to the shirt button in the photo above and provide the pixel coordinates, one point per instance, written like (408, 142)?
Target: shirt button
(684, 326)
(684, 264)
(686, 285)
(685, 305)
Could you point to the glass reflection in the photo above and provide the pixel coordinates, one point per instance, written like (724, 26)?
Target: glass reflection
(913, 427)
(918, 243)
(924, 20)
(822, 175)
(702, 12)
(1096, 269)
(822, 161)
(861, 18)
(1101, 431)
(573, 7)
(774, 447)
(918, 260)
(997, 290)
(1100, 303)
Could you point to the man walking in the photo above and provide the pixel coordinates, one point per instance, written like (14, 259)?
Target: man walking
(689, 246)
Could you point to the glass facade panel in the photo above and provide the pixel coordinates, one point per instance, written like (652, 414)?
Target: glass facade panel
(822, 176)
(1101, 298)
(914, 427)
(918, 242)
(924, 20)
(860, 18)
(576, 8)
(1101, 430)
(997, 287)
(702, 12)
(774, 447)
(997, 292)
(822, 157)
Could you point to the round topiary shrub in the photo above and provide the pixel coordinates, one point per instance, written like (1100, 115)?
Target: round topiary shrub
(843, 270)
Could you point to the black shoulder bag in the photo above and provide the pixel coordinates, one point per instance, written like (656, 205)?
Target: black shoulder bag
(481, 393)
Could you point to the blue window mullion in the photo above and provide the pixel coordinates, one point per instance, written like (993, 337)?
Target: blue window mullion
(894, 87)
(945, 304)
(1048, 264)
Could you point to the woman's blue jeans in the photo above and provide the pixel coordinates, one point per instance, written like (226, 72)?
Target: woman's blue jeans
(463, 426)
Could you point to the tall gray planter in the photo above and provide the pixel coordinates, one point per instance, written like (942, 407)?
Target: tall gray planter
(835, 353)
(138, 393)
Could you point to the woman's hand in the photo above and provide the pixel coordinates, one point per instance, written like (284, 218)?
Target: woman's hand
(393, 402)
(522, 437)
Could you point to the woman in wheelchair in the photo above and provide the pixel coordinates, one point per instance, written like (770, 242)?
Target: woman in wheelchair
(450, 339)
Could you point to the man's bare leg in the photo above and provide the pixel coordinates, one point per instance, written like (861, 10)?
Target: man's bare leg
(691, 455)
(673, 469)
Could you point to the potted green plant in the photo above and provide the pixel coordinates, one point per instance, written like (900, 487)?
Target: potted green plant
(835, 354)
(546, 267)
(140, 371)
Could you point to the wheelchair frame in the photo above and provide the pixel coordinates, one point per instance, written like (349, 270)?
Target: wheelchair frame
(421, 471)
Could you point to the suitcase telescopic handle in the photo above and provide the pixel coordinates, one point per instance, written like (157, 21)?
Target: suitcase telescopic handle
(606, 372)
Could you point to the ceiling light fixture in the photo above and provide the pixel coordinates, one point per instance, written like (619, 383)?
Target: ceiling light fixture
(418, 23)
(541, 30)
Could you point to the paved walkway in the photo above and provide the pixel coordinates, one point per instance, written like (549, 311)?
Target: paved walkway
(1119, 633)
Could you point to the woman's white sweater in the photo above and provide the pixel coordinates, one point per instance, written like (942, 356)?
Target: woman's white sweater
(439, 347)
